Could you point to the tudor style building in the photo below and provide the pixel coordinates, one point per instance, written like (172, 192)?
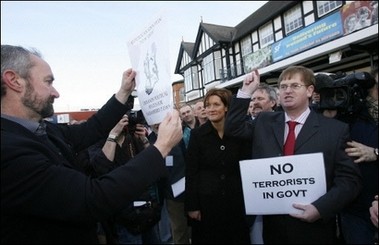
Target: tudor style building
(326, 36)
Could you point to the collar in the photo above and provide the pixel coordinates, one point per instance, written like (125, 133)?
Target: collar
(30, 125)
(301, 119)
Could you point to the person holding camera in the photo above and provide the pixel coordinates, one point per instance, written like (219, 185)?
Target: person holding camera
(44, 198)
(137, 222)
(322, 81)
(356, 225)
(308, 132)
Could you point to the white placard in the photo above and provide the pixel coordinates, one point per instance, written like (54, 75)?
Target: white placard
(139, 203)
(178, 187)
(272, 185)
(63, 118)
(149, 55)
(169, 161)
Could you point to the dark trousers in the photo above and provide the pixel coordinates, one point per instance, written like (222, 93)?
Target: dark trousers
(283, 229)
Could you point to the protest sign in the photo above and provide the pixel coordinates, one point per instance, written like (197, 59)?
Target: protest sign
(149, 55)
(272, 185)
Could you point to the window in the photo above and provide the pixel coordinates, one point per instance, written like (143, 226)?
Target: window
(293, 19)
(182, 95)
(324, 7)
(266, 35)
(208, 68)
(217, 63)
(195, 79)
(188, 80)
(246, 47)
(237, 66)
(191, 79)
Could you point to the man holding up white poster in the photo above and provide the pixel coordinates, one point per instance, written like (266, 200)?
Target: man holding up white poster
(311, 217)
(148, 51)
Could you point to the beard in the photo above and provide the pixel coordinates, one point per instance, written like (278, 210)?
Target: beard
(31, 100)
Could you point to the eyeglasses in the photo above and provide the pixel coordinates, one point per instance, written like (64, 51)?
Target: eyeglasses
(293, 86)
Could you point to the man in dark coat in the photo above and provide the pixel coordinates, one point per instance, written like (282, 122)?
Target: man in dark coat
(316, 223)
(44, 199)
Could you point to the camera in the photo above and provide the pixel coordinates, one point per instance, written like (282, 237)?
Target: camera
(347, 93)
(135, 117)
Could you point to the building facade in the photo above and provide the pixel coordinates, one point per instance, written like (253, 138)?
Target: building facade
(325, 36)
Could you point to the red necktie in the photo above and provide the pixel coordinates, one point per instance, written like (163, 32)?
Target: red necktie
(289, 145)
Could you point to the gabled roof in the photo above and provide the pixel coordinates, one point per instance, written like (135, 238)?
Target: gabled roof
(188, 47)
(217, 33)
(184, 47)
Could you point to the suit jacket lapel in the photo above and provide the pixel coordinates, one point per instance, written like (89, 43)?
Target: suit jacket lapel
(278, 129)
(310, 127)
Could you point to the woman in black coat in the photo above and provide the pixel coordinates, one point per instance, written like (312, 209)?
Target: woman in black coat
(214, 197)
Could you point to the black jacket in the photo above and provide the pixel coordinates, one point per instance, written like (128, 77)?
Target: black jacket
(45, 200)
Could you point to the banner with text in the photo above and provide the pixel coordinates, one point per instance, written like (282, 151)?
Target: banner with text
(320, 32)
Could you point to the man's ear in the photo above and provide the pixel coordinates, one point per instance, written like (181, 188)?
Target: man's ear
(13, 81)
(273, 103)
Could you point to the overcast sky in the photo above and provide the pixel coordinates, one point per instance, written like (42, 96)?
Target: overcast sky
(85, 43)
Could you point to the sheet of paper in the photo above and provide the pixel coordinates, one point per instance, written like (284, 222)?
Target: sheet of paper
(149, 55)
(178, 187)
(169, 161)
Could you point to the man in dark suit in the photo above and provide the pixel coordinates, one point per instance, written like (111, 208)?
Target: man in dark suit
(314, 133)
(44, 199)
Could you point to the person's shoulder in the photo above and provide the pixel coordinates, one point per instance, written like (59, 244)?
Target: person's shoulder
(265, 115)
(8, 125)
(202, 129)
(328, 121)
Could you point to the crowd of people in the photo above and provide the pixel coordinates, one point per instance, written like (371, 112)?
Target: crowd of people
(179, 181)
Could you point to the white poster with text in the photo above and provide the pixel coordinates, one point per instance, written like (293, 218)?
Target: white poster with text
(272, 185)
(149, 55)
